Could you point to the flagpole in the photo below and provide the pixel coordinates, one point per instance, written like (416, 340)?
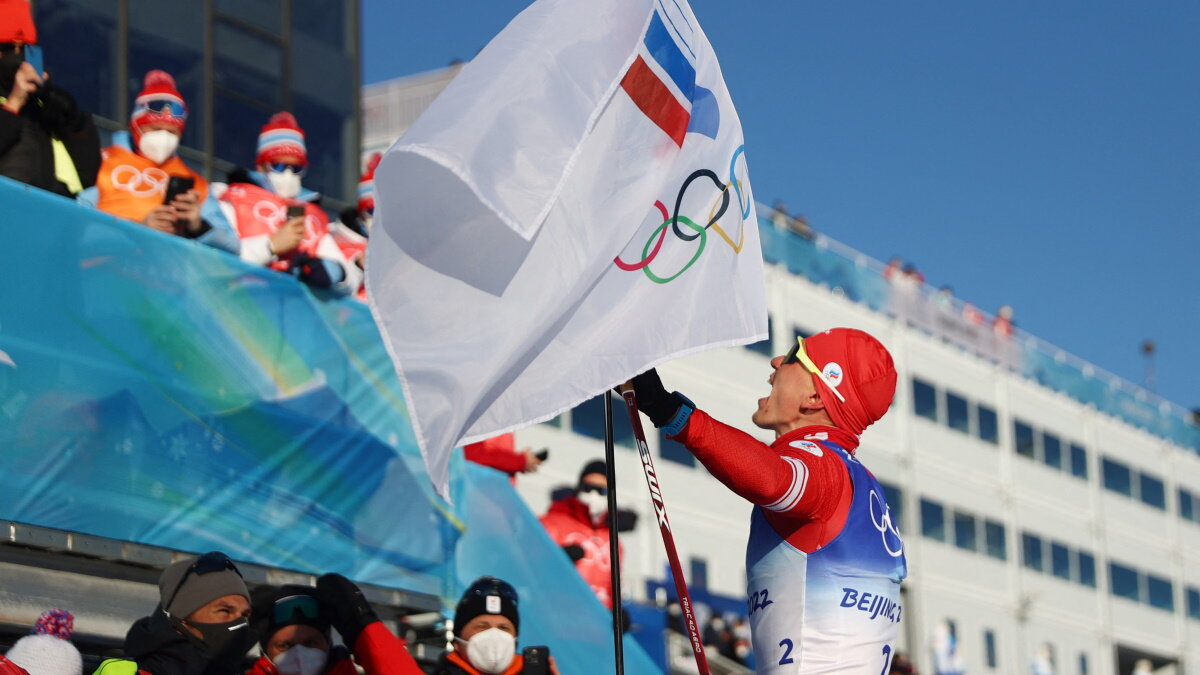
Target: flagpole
(660, 510)
(614, 545)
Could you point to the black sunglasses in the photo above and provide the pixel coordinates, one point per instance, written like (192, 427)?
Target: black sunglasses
(213, 561)
(594, 488)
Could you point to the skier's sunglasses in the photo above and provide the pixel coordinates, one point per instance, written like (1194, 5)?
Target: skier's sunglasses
(797, 354)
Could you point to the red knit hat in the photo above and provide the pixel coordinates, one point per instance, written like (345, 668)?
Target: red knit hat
(159, 101)
(366, 184)
(281, 136)
(860, 369)
(16, 22)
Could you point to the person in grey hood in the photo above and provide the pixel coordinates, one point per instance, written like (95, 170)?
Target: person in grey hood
(200, 626)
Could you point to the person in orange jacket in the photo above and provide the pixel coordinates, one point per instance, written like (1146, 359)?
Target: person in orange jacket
(293, 626)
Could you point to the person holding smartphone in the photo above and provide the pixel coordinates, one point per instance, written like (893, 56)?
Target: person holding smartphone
(37, 117)
(280, 223)
(142, 178)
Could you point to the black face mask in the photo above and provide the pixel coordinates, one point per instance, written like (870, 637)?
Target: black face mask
(225, 643)
(10, 63)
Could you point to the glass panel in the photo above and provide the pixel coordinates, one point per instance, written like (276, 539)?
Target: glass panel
(236, 124)
(1083, 664)
(964, 531)
(989, 648)
(958, 413)
(248, 64)
(1161, 592)
(1051, 450)
(933, 520)
(323, 128)
(1123, 581)
(1023, 438)
(1186, 506)
(989, 428)
(1079, 461)
(924, 400)
(672, 451)
(699, 577)
(993, 533)
(265, 14)
(163, 36)
(1031, 551)
(1193, 603)
(1087, 569)
(1116, 477)
(764, 346)
(67, 31)
(895, 502)
(321, 20)
(1060, 561)
(1152, 491)
(588, 419)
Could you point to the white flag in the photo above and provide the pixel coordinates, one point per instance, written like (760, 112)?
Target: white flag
(573, 209)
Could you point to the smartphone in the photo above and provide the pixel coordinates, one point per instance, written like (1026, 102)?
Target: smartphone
(537, 660)
(295, 211)
(33, 56)
(542, 454)
(176, 186)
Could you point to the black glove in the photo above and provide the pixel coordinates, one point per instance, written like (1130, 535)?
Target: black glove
(310, 270)
(626, 520)
(349, 218)
(654, 400)
(343, 603)
(573, 551)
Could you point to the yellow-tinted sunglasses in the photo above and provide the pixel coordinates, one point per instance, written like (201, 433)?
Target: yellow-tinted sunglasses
(797, 354)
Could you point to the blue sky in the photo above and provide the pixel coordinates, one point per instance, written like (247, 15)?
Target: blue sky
(1045, 155)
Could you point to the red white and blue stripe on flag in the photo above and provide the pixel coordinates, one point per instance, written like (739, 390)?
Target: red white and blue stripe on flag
(662, 79)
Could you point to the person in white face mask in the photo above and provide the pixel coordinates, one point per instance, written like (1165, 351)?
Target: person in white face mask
(280, 223)
(578, 523)
(486, 624)
(136, 172)
(293, 624)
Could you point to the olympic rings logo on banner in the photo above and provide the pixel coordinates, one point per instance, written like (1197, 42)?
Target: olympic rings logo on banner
(881, 518)
(717, 210)
(144, 183)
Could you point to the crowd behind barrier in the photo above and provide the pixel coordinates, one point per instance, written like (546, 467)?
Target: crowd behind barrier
(862, 279)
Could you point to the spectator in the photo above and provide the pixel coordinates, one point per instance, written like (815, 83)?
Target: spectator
(199, 626)
(350, 232)
(9, 668)
(134, 177)
(49, 650)
(293, 628)
(45, 139)
(577, 522)
(901, 665)
(1002, 324)
(486, 626)
(500, 452)
(892, 271)
(257, 202)
(741, 642)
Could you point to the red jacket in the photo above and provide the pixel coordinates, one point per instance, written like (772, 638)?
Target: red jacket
(377, 650)
(499, 452)
(569, 523)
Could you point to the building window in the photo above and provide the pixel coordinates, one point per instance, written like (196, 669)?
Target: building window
(1087, 569)
(964, 531)
(989, 648)
(699, 572)
(1151, 491)
(1031, 551)
(989, 429)
(1083, 664)
(1193, 603)
(1123, 582)
(1079, 467)
(895, 502)
(993, 534)
(1051, 450)
(1060, 561)
(1187, 507)
(924, 400)
(958, 413)
(1161, 593)
(1023, 437)
(673, 451)
(764, 346)
(1117, 477)
(933, 520)
(587, 419)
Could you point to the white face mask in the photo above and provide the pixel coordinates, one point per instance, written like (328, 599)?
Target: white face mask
(301, 660)
(158, 146)
(491, 650)
(367, 220)
(597, 503)
(284, 183)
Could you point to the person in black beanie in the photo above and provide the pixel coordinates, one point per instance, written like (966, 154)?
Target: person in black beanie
(293, 627)
(486, 625)
(199, 627)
